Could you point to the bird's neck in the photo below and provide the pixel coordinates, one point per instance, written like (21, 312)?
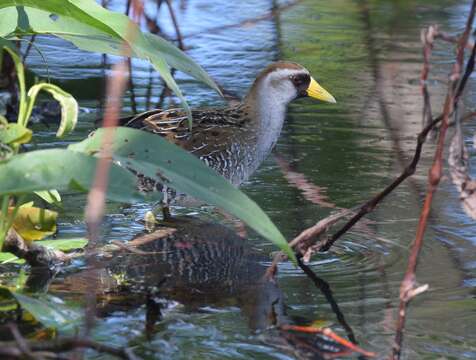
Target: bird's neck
(270, 112)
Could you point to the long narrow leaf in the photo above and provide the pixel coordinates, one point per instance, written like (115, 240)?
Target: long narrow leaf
(94, 28)
(165, 162)
(63, 170)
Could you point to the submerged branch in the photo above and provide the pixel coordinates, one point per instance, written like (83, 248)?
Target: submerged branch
(35, 255)
(54, 349)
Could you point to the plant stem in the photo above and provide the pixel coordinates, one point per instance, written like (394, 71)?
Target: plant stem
(3, 219)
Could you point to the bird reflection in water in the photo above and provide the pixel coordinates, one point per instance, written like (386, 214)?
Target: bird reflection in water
(200, 264)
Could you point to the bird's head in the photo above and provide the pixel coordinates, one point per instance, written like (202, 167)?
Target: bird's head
(285, 81)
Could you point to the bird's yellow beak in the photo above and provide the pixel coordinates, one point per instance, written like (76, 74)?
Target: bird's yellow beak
(316, 91)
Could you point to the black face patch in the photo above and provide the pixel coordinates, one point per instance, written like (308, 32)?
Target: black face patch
(301, 82)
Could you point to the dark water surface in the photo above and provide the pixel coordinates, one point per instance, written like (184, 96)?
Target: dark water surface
(350, 150)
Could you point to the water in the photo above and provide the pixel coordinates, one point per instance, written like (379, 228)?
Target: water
(351, 150)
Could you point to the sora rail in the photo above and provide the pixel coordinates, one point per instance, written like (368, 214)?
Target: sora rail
(235, 140)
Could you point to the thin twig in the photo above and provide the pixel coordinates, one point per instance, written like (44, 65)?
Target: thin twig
(370, 205)
(97, 195)
(176, 26)
(131, 86)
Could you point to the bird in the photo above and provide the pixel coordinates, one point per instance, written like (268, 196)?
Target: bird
(234, 140)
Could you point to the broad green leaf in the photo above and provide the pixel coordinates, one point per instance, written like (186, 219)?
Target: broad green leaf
(58, 244)
(165, 162)
(69, 106)
(63, 169)
(6, 258)
(15, 134)
(64, 244)
(51, 311)
(50, 196)
(94, 28)
(33, 223)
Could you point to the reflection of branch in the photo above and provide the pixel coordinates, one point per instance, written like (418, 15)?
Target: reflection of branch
(247, 22)
(174, 21)
(131, 87)
(409, 288)
(312, 193)
(324, 287)
(427, 38)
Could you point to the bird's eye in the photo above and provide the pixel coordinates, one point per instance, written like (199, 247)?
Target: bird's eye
(296, 80)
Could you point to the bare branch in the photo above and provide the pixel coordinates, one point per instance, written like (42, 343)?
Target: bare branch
(408, 288)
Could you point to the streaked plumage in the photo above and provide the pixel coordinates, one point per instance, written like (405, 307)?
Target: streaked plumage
(235, 140)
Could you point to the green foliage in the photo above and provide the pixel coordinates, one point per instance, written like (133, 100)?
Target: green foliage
(93, 28)
(170, 165)
(63, 170)
(69, 107)
(33, 223)
(50, 311)
(12, 136)
(50, 196)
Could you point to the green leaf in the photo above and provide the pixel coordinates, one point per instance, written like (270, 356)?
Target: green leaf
(50, 196)
(63, 170)
(64, 244)
(15, 134)
(69, 106)
(177, 59)
(6, 257)
(51, 311)
(168, 164)
(93, 28)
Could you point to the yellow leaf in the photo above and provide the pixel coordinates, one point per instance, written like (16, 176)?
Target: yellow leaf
(34, 223)
(321, 323)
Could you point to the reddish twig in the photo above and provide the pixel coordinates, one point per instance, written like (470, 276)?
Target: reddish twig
(408, 288)
(311, 192)
(97, 195)
(330, 334)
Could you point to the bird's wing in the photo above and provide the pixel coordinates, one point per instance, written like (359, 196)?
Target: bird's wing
(212, 131)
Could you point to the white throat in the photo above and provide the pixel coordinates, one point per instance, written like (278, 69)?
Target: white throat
(272, 98)
(272, 112)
